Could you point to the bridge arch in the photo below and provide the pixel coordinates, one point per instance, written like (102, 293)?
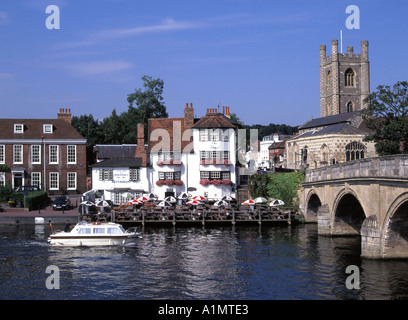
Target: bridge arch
(313, 204)
(394, 235)
(348, 214)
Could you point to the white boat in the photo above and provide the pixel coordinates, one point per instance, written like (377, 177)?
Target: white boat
(94, 234)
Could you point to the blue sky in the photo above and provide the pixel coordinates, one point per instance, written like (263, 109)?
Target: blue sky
(259, 57)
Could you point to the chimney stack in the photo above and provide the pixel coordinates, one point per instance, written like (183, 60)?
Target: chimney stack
(188, 116)
(140, 148)
(64, 114)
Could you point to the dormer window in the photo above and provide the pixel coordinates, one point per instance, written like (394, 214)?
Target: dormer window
(47, 128)
(18, 128)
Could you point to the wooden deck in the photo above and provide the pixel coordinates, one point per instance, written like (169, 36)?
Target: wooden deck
(186, 216)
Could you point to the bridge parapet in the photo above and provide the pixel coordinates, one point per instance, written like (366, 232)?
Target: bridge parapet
(394, 166)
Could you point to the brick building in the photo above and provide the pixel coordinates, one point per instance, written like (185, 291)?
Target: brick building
(48, 153)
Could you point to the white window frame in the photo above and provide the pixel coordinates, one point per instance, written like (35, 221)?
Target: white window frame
(48, 128)
(18, 128)
(2, 153)
(54, 186)
(17, 153)
(2, 179)
(71, 158)
(203, 134)
(33, 155)
(134, 174)
(51, 156)
(69, 180)
(36, 176)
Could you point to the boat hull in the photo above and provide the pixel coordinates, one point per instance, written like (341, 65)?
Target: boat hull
(88, 241)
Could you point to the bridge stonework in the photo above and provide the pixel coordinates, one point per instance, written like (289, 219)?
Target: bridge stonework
(366, 197)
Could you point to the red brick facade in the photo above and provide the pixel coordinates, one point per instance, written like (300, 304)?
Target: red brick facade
(55, 160)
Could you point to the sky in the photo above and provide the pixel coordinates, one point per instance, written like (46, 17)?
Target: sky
(259, 57)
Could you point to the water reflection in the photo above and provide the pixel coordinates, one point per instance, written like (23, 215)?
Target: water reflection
(198, 263)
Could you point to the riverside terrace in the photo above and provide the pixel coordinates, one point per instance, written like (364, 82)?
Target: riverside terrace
(185, 215)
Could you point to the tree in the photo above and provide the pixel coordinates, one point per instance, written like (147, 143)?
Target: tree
(387, 117)
(148, 104)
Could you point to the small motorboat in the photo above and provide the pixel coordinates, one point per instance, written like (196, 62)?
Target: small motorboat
(94, 234)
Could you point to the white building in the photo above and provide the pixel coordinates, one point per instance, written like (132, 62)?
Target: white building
(122, 172)
(198, 156)
(193, 155)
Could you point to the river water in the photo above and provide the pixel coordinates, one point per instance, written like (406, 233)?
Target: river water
(231, 263)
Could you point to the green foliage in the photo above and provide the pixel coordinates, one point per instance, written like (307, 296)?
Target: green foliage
(258, 185)
(387, 117)
(282, 186)
(5, 192)
(35, 200)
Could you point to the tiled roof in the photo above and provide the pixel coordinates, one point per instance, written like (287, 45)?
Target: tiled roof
(121, 163)
(213, 121)
(165, 130)
(115, 151)
(325, 121)
(33, 129)
(338, 128)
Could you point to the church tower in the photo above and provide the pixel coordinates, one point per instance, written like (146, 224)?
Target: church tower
(344, 80)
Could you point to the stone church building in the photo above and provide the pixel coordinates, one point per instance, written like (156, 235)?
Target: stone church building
(338, 135)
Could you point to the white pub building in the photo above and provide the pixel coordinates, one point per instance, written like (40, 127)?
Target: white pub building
(198, 156)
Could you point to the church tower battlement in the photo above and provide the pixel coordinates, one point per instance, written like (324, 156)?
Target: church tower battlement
(344, 79)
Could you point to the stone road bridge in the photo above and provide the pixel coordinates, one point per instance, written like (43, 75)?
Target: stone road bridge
(367, 197)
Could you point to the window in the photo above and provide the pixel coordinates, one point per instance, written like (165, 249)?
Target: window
(204, 155)
(119, 197)
(53, 154)
(215, 134)
(18, 128)
(115, 230)
(71, 154)
(72, 181)
(54, 180)
(35, 154)
(215, 175)
(225, 175)
(134, 174)
(105, 174)
(99, 230)
(17, 153)
(85, 231)
(205, 175)
(169, 155)
(36, 179)
(355, 150)
(176, 175)
(349, 107)
(47, 128)
(350, 78)
(2, 153)
(217, 155)
(203, 135)
(2, 179)
(329, 79)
